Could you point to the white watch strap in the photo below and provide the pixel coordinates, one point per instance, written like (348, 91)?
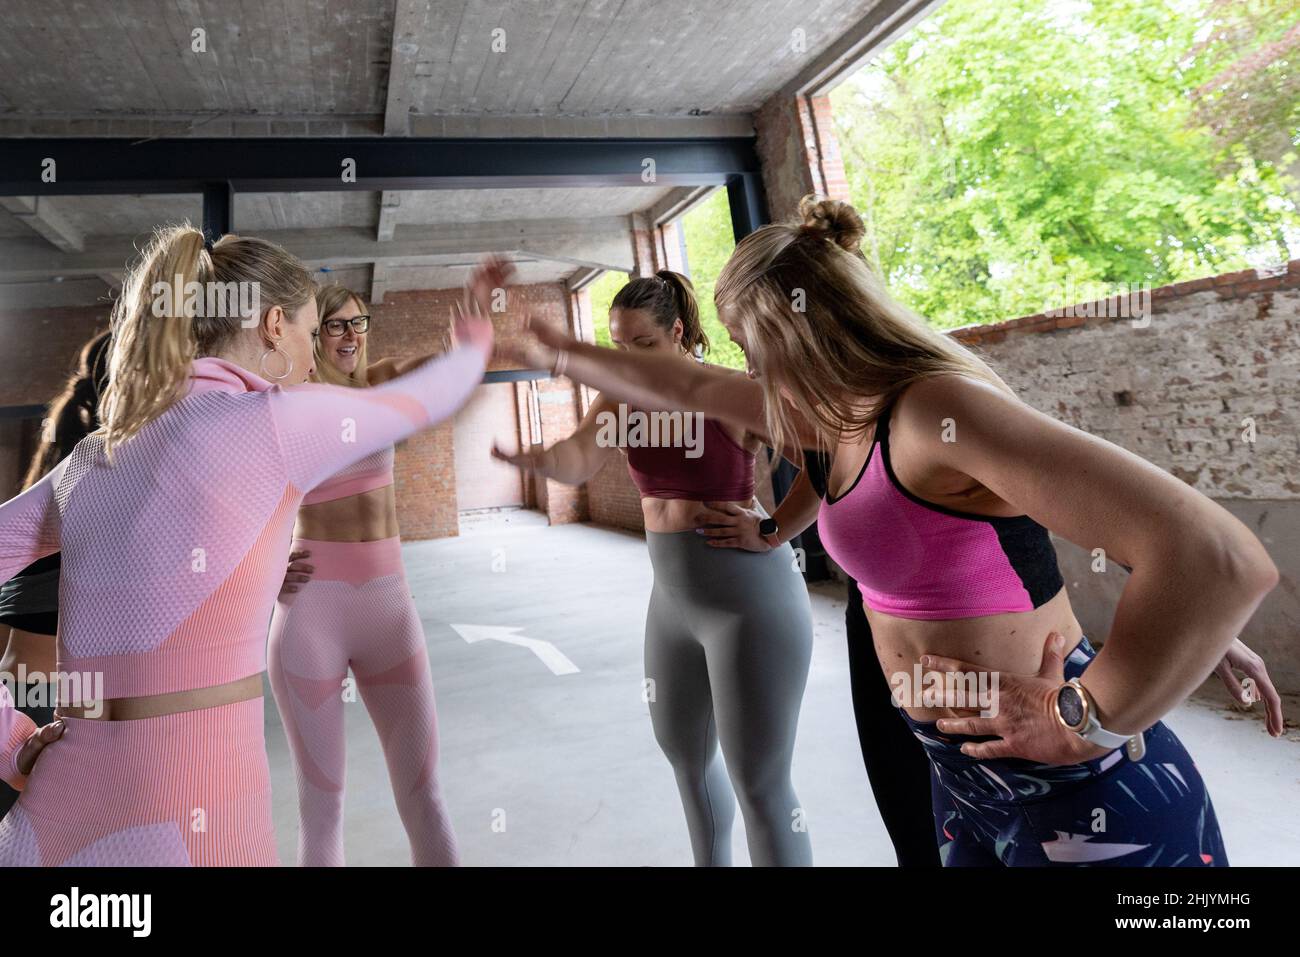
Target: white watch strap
(1096, 734)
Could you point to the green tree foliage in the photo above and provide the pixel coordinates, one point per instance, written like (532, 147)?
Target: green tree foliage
(709, 243)
(1004, 155)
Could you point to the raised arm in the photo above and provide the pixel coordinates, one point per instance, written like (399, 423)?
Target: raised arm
(324, 428)
(573, 460)
(652, 381)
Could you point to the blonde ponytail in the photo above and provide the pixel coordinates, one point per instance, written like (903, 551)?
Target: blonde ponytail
(159, 328)
(154, 340)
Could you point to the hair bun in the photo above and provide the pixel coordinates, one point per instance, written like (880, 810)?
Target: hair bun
(832, 219)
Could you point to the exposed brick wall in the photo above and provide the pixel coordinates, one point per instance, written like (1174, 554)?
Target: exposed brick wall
(41, 347)
(799, 153)
(415, 323)
(612, 499)
(1215, 353)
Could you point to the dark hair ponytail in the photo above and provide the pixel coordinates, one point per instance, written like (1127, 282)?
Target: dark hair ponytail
(74, 413)
(667, 296)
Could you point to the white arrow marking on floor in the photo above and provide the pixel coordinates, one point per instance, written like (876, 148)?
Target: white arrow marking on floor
(551, 656)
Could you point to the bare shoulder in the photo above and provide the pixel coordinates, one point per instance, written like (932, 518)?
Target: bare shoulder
(943, 426)
(952, 396)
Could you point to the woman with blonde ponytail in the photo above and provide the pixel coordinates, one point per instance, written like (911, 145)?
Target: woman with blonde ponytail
(346, 604)
(174, 521)
(728, 634)
(940, 489)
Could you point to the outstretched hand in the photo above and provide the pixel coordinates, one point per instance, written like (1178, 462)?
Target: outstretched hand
(472, 329)
(485, 286)
(522, 460)
(536, 345)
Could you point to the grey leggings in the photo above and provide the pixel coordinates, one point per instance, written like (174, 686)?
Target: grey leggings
(728, 639)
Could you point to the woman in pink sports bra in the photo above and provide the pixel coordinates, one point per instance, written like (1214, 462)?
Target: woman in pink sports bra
(940, 489)
(728, 635)
(173, 520)
(346, 605)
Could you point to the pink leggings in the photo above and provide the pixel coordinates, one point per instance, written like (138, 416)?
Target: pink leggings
(357, 611)
(191, 788)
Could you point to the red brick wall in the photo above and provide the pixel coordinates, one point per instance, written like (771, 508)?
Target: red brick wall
(1178, 386)
(799, 152)
(40, 349)
(415, 323)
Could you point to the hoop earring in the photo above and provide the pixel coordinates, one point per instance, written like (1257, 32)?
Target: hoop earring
(287, 358)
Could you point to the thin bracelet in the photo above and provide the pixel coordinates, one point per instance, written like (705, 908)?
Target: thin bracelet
(561, 362)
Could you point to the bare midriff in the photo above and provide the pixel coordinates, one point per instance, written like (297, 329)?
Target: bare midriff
(1011, 643)
(157, 705)
(674, 514)
(367, 517)
(37, 652)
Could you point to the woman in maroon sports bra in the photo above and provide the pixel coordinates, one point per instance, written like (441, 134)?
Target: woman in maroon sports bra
(728, 635)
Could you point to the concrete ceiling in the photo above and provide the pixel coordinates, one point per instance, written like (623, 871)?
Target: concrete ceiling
(334, 57)
(395, 68)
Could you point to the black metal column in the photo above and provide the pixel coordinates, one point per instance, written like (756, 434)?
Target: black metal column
(218, 209)
(748, 203)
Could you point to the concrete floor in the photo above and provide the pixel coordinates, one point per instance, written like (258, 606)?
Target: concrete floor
(542, 769)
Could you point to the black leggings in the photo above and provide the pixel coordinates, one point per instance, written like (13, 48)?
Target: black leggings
(897, 766)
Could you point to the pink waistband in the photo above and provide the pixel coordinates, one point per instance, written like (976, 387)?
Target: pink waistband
(139, 768)
(347, 487)
(353, 562)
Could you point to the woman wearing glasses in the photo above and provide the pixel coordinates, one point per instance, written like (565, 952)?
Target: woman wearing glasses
(350, 606)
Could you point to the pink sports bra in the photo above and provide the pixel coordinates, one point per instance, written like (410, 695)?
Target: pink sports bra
(915, 559)
(372, 472)
(723, 471)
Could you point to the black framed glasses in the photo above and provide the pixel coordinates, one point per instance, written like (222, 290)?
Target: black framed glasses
(338, 327)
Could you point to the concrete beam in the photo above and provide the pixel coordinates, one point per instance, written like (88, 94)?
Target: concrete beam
(389, 202)
(885, 23)
(601, 243)
(677, 203)
(408, 24)
(582, 127)
(51, 295)
(45, 221)
(581, 278)
(380, 278)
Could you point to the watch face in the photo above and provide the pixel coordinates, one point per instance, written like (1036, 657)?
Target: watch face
(767, 526)
(1070, 704)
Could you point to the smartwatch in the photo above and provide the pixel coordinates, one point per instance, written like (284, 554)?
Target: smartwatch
(1077, 712)
(767, 530)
